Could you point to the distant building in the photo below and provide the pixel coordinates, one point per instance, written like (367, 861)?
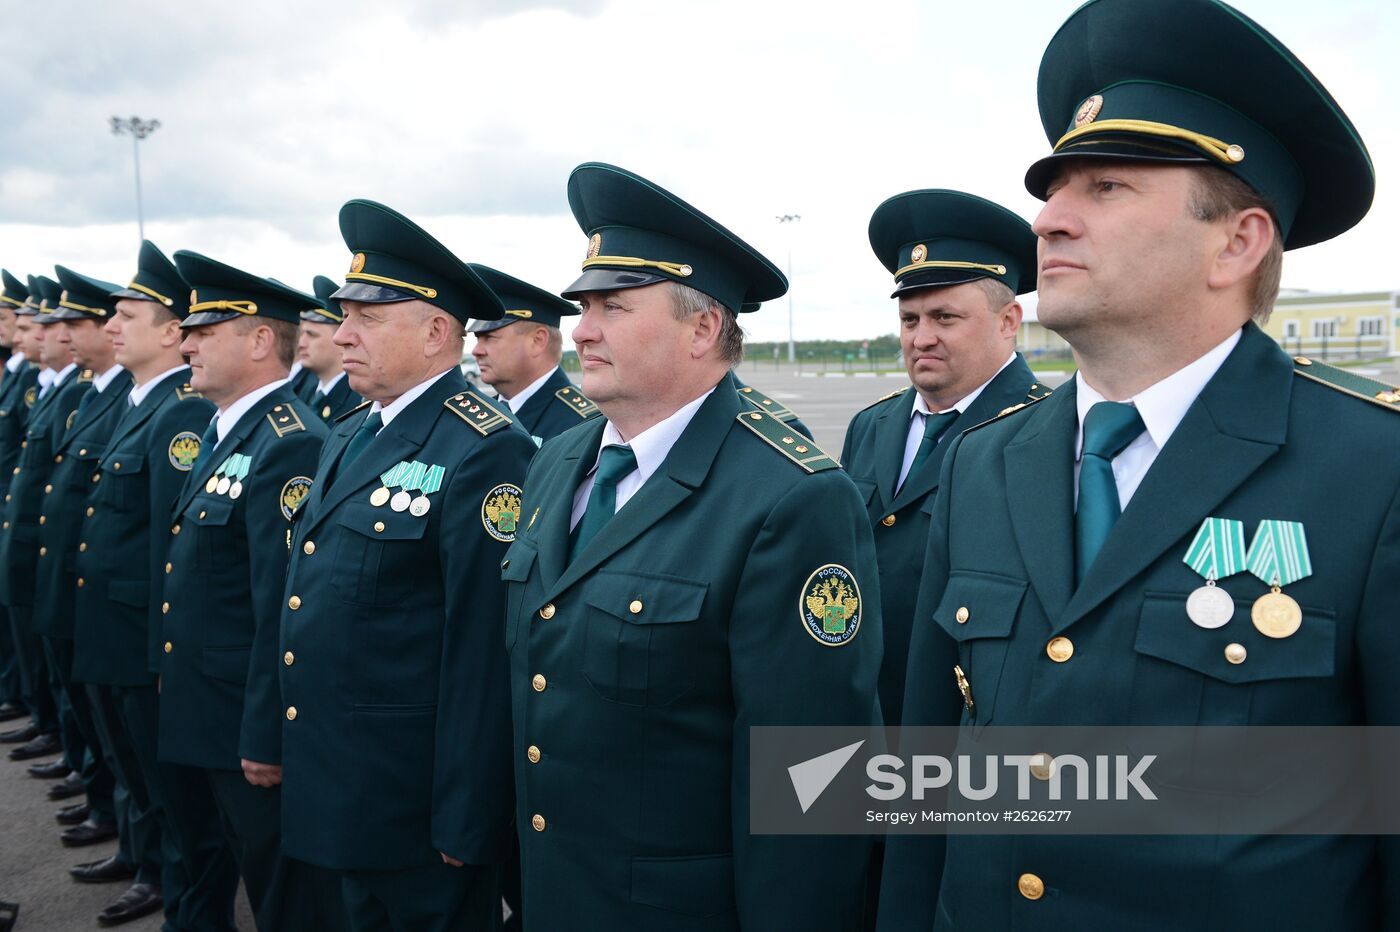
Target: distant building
(1337, 326)
(1036, 342)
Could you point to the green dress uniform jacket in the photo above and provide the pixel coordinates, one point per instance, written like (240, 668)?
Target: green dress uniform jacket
(219, 701)
(1260, 442)
(303, 385)
(19, 529)
(557, 406)
(340, 402)
(638, 668)
(126, 528)
(14, 414)
(65, 498)
(392, 653)
(873, 454)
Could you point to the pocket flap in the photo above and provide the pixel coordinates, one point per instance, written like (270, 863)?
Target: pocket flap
(646, 600)
(979, 605)
(695, 886)
(133, 592)
(210, 512)
(123, 463)
(381, 523)
(1165, 632)
(866, 486)
(226, 663)
(518, 561)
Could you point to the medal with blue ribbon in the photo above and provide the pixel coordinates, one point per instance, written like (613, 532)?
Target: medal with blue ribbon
(1278, 555)
(430, 482)
(1216, 552)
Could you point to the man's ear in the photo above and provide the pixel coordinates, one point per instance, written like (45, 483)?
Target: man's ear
(1248, 237)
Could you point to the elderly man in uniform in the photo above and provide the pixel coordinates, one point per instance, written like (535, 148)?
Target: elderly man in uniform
(19, 373)
(519, 357)
(1191, 148)
(396, 739)
(55, 402)
(958, 262)
(220, 712)
(317, 352)
(688, 567)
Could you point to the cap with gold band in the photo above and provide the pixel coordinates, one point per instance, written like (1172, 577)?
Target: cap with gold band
(1198, 82)
(936, 237)
(397, 260)
(46, 294)
(83, 297)
(14, 294)
(640, 234)
(325, 311)
(157, 280)
(523, 301)
(220, 292)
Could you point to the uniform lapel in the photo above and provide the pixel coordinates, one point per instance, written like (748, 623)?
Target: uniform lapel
(683, 471)
(535, 406)
(1236, 424)
(99, 406)
(133, 418)
(891, 434)
(1039, 462)
(557, 502)
(245, 426)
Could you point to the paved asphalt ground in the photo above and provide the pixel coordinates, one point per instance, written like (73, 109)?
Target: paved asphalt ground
(34, 865)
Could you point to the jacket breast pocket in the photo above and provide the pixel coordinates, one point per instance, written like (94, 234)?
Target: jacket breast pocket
(642, 636)
(978, 610)
(123, 473)
(229, 664)
(88, 465)
(866, 486)
(363, 532)
(515, 572)
(210, 517)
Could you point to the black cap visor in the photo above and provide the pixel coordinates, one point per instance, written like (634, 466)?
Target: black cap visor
(1109, 149)
(372, 294)
(602, 279)
(205, 318)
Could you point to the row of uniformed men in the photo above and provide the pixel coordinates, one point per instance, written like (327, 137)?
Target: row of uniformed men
(689, 566)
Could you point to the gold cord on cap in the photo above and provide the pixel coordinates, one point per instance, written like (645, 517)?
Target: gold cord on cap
(423, 290)
(1229, 153)
(628, 262)
(949, 264)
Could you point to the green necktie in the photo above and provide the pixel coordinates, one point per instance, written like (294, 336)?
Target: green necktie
(614, 462)
(318, 401)
(372, 425)
(1108, 429)
(934, 426)
(206, 444)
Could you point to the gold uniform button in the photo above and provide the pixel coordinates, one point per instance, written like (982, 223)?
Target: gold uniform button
(175, 529)
(294, 602)
(165, 608)
(169, 647)
(635, 607)
(80, 582)
(289, 658)
(537, 821)
(1235, 653)
(539, 682)
(168, 568)
(379, 527)
(1042, 766)
(82, 452)
(90, 511)
(308, 548)
(888, 520)
(48, 488)
(1060, 649)
(59, 457)
(43, 551)
(548, 611)
(202, 514)
(532, 754)
(6, 525)
(1031, 886)
(117, 467)
(82, 547)
(962, 615)
(42, 519)
(97, 477)
(291, 713)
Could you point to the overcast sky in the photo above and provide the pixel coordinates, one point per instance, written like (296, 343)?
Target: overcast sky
(467, 115)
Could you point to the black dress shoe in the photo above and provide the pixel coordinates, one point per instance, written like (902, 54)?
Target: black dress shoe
(53, 770)
(9, 912)
(140, 899)
(20, 735)
(74, 814)
(106, 870)
(42, 746)
(67, 788)
(12, 710)
(88, 833)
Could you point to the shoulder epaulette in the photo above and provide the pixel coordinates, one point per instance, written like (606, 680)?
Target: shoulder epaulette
(477, 411)
(186, 392)
(285, 420)
(577, 402)
(763, 403)
(1348, 383)
(791, 444)
(1038, 391)
(353, 411)
(86, 376)
(883, 398)
(1006, 412)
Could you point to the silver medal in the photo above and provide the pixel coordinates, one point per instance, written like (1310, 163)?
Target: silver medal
(420, 506)
(223, 485)
(235, 490)
(1210, 606)
(400, 501)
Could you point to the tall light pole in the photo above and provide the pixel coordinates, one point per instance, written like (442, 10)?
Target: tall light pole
(139, 130)
(792, 345)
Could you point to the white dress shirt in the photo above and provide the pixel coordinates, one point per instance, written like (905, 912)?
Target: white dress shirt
(393, 410)
(1161, 406)
(527, 392)
(325, 387)
(650, 447)
(921, 412)
(139, 392)
(55, 378)
(14, 362)
(225, 418)
(100, 383)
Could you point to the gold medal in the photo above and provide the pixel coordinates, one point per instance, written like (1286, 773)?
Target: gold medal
(211, 485)
(419, 506)
(379, 497)
(1276, 615)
